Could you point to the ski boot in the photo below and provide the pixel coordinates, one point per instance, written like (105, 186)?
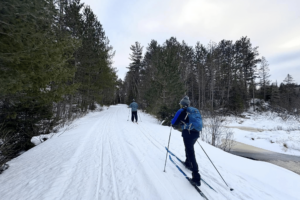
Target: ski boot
(196, 179)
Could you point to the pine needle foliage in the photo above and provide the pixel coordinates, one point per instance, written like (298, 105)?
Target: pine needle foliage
(55, 63)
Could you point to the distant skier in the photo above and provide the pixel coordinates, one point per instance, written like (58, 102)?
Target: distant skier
(134, 107)
(191, 123)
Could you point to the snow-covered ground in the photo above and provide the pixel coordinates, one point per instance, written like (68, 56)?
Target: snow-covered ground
(104, 156)
(272, 133)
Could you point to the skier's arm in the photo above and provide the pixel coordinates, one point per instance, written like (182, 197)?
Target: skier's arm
(178, 117)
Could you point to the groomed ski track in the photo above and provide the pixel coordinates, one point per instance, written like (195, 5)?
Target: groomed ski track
(104, 156)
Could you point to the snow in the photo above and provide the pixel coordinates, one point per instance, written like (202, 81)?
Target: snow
(36, 140)
(268, 131)
(105, 156)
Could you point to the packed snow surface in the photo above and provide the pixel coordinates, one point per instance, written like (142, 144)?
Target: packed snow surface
(105, 156)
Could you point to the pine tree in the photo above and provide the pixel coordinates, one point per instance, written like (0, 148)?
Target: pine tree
(34, 69)
(95, 75)
(264, 75)
(148, 92)
(135, 68)
(287, 90)
(200, 62)
(275, 97)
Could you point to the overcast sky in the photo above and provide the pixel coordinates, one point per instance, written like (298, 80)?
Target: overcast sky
(272, 25)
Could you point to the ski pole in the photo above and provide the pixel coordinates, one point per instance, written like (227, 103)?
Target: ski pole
(128, 114)
(140, 116)
(214, 165)
(168, 148)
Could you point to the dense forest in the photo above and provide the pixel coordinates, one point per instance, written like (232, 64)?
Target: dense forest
(222, 78)
(55, 65)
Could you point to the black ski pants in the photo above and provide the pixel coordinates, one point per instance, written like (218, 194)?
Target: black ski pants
(189, 139)
(134, 115)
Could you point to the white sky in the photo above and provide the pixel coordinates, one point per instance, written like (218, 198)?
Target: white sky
(273, 25)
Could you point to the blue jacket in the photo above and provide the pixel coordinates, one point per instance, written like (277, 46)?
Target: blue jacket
(133, 106)
(181, 118)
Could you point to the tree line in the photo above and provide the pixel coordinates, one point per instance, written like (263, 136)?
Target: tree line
(55, 64)
(218, 77)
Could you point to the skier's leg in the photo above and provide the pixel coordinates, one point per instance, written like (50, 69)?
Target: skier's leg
(187, 160)
(196, 176)
(132, 116)
(136, 116)
(192, 156)
(190, 152)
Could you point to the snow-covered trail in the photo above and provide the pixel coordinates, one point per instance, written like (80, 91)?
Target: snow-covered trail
(107, 157)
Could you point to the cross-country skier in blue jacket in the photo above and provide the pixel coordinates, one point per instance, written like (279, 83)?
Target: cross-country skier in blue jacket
(187, 118)
(134, 107)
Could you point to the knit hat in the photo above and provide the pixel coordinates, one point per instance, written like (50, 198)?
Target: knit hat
(185, 102)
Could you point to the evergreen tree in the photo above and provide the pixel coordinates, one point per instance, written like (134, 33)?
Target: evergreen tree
(168, 74)
(93, 60)
(167, 83)
(34, 69)
(264, 75)
(135, 68)
(275, 97)
(287, 92)
(220, 76)
(200, 62)
(288, 80)
(149, 93)
(52, 54)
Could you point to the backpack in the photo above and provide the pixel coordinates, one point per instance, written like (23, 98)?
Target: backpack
(195, 119)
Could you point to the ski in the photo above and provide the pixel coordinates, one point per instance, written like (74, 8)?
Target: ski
(183, 164)
(189, 180)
